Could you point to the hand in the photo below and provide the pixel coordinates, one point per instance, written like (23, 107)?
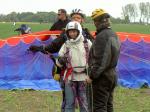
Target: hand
(88, 80)
(62, 61)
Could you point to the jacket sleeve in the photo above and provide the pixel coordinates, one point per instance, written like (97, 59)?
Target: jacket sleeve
(89, 44)
(101, 56)
(18, 29)
(53, 27)
(56, 44)
(61, 54)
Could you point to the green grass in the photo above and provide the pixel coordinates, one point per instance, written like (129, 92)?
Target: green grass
(7, 29)
(132, 100)
(29, 101)
(132, 28)
(125, 100)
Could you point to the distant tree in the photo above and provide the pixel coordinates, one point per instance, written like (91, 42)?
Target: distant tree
(147, 12)
(25, 16)
(43, 17)
(52, 17)
(12, 17)
(117, 20)
(134, 12)
(142, 9)
(2, 17)
(129, 12)
(125, 14)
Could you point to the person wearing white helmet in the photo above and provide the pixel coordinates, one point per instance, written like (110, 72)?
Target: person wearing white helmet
(73, 55)
(56, 44)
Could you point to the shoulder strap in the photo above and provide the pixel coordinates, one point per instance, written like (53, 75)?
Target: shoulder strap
(86, 34)
(86, 49)
(68, 58)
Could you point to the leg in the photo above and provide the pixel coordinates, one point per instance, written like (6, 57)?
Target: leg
(82, 96)
(100, 98)
(62, 85)
(110, 103)
(69, 97)
(63, 102)
(110, 99)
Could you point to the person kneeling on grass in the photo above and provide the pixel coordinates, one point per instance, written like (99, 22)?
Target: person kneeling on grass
(74, 55)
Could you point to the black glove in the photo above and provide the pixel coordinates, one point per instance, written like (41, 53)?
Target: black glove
(35, 48)
(53, 58)
(62, 61)
(18, 29)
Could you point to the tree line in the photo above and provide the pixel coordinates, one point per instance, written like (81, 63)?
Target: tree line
(29, 17)
(41, 17)
(131, 13)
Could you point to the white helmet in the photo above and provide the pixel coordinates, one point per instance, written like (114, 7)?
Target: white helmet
(77, 11)
(74, 25)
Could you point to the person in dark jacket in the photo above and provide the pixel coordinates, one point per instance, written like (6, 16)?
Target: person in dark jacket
(103, 58)
(62, 21)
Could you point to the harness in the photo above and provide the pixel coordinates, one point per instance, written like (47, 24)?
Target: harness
(69, 70)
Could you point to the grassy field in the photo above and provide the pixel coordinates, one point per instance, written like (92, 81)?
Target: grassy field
(7, 29)
(126, 100)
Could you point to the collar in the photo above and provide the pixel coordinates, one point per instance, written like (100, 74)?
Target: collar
(101, 29)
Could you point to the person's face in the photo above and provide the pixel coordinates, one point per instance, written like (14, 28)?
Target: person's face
(78, 18)
(61, 15)
(73, 34)
(97, 24)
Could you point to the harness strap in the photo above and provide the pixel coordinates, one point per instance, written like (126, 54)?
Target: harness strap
(69, 65)
(86, 49)
(79, 72)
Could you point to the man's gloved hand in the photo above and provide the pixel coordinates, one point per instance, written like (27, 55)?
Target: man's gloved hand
(62, 61)
(35, 48)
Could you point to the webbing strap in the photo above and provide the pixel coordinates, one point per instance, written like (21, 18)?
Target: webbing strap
(69, 65)
(86, 49)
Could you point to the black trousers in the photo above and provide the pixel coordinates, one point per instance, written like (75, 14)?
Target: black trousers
(103, 90)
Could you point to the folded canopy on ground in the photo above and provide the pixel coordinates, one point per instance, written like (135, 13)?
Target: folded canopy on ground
(21, 69)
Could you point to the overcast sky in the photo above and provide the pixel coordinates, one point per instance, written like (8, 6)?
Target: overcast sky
(111, 6)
